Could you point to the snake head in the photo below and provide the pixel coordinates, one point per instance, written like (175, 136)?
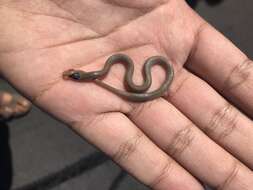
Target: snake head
(72, 74)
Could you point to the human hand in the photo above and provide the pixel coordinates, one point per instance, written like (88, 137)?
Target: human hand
(167, 143)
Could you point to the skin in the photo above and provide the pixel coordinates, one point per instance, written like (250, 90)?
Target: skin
(201, 131)
(136, 93)
(12, 106)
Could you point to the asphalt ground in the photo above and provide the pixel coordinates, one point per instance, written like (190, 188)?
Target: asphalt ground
(38, 152)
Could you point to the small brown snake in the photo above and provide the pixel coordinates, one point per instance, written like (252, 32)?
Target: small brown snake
(136, 93)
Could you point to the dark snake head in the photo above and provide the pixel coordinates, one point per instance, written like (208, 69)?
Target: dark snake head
(72, 74)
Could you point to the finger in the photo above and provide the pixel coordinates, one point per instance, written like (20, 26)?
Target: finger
(117, 136)
(216, 60)
(219, 120)
(84, 107)
(181, 139)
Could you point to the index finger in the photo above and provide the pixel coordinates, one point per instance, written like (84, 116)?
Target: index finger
(218, 61)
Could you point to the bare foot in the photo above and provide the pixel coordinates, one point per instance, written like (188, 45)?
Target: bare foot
(13, 106)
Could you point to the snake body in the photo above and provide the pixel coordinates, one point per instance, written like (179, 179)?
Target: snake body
(136, 93)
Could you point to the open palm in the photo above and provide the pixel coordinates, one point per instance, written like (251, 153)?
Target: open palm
(193, 131)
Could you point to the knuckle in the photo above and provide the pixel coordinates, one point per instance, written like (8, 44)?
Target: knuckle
(197, 37)
(87, 122)
(162, 175)
(181, 141)
(231, 177)
(127, 148)
(223, 122)
(179, 82)
(239, 75)
(138, 109)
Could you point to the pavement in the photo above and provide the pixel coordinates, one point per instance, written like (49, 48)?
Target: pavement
(38, 152)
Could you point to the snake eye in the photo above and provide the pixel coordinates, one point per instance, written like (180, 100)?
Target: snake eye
(75, 76)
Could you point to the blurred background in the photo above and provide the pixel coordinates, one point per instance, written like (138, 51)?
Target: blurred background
(39, 153)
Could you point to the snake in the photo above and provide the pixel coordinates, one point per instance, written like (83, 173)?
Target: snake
(135, 93)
